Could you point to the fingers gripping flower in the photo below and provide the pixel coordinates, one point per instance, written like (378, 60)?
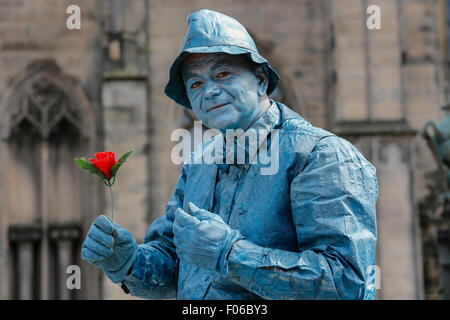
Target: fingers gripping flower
(105, 166)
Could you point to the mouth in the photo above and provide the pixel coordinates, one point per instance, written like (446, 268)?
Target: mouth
(217, 107)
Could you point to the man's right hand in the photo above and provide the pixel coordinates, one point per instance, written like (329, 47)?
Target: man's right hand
(110, 247)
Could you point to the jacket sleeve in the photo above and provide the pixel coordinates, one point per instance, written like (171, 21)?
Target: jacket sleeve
(154, 273)
(333, 204)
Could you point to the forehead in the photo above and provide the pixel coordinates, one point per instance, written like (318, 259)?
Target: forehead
(199, 60)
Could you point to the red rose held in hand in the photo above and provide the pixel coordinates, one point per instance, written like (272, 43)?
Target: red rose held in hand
(105, 161)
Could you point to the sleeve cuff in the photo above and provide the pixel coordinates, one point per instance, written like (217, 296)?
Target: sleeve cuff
(223, 262)
(244, 260)
(119, 275)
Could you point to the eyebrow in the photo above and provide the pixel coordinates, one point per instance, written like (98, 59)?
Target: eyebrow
(223, 61)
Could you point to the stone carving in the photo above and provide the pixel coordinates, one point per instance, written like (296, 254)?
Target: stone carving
(42, 96)
(435, 212)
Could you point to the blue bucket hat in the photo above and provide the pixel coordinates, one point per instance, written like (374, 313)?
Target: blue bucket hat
(213, 32)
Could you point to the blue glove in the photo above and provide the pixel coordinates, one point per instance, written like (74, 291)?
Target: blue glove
(203, 239)
(110, 247)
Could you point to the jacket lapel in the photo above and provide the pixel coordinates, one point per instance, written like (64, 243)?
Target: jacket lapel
(200, 186)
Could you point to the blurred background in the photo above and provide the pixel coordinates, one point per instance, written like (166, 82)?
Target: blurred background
(66, 93)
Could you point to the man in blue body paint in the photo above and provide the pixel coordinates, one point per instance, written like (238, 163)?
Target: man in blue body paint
(306, 231)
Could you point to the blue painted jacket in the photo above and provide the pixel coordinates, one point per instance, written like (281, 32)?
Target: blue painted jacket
(310, 229)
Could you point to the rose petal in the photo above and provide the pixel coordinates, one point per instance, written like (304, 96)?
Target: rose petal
(111, 157)
(104, 167)
(100, 155)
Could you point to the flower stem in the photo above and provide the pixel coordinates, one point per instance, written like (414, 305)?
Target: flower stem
(112, 202)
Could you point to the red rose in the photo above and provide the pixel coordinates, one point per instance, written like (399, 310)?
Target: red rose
(105, 161)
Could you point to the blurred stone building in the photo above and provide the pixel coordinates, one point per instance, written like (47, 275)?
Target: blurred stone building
(68, 93)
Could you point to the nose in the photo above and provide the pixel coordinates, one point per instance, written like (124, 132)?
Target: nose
(211, 90)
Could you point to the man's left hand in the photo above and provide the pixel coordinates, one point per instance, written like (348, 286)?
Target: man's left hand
(203, 239)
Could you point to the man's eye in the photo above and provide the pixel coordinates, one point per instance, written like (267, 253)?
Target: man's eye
(196, 85)
(222, 75)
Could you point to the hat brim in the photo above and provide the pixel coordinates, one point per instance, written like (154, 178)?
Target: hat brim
(175, 88)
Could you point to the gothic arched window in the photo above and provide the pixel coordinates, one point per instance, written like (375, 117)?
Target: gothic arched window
(45, 123)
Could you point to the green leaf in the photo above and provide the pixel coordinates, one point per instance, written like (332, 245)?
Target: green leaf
(122, 159)
(86, 165)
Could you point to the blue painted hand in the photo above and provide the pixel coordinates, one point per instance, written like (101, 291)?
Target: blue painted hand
(203, 239)
(109, 247)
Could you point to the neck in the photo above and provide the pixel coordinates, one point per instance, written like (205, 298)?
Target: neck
(266, 106)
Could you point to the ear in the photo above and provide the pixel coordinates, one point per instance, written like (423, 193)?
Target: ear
(263, 80)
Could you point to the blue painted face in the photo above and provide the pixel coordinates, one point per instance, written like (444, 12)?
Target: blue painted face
(225, 91)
